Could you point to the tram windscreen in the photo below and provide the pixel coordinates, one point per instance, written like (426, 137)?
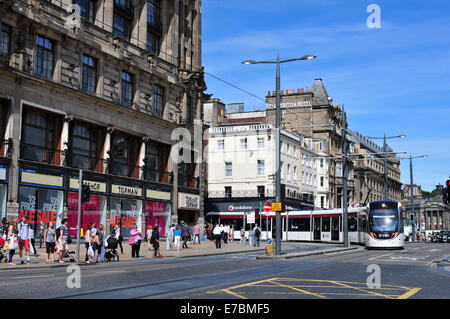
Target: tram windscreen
(384, 220)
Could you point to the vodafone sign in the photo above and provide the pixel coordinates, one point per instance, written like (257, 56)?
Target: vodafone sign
(230, 208)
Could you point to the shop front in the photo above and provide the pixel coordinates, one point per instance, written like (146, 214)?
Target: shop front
(126, 207)
(92, 211)
(158, 210)
(41, 197)
(188, 208)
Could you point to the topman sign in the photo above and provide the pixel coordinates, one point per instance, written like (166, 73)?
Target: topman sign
(287, 105)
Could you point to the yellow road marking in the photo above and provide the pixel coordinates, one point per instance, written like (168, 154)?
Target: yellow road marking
(300, 290)
(413, 291)
(275, 282)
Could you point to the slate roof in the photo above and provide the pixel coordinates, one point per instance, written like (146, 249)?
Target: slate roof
(320, 93)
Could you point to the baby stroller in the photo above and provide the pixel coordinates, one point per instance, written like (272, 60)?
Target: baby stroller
(3, 253)
(111, 249)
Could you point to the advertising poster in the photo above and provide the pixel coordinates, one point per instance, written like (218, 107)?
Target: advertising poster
(89, 212)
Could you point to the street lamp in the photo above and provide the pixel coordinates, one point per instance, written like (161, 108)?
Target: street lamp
(278, 152)
(386, 191)
(412, 191)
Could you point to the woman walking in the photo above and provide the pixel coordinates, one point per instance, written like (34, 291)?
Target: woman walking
(13, 232)
(135, 242)
(101, 243)
(50, 241)
(149, 236)
(177, 236)
(169, 237)
(88, 243)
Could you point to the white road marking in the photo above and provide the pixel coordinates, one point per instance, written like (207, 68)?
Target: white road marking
(33, 277)
(435, 250)
(109, 271)
(378, 256)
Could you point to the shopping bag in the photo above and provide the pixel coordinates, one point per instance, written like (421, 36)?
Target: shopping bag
(31, 248)
(90, 252)
(14, 242)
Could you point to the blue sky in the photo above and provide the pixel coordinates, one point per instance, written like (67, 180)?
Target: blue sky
(392, 80)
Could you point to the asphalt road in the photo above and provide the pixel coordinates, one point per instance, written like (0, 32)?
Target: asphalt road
(362, 274)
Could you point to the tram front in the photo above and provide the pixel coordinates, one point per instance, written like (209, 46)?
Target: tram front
(385, 225)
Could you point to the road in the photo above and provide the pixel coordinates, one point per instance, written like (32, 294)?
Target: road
(359, 274)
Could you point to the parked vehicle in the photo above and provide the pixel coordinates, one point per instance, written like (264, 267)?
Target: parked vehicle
(443, 236)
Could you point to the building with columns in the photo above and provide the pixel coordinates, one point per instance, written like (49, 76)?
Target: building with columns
(102, 91)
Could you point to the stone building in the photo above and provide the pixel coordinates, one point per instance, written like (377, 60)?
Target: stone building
(102, 92)
(310, 112)
(431, 215)
(369, 172)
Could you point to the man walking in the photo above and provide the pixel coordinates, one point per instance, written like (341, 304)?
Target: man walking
(62, 240)
(24, 239)
(256, 235)
(217, 232)
(184, 234)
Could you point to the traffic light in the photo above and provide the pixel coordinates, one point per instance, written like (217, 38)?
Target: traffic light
(85, 193)
(412, 218)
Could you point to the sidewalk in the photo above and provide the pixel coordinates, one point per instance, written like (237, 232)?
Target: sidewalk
(204, 249)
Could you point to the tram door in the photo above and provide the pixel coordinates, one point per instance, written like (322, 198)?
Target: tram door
(316, 228)
(334, 228)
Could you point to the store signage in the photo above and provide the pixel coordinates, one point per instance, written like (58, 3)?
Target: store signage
(94, 186)
(152, 194)
(188, 201)
(250, 217)
(276, 207)
(41, 179)
(2, 173)
(126, 190)
(287, 105)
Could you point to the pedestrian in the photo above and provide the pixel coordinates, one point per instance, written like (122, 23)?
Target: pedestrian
(13, 232)
(242, 235)
(88, 243)
(118, 236)
(177, 237)
(4, 228)
(49, 242)
(41, 232)
(135, 242)
(101, 243)
(217, 233)
(32, 240)
(155, 241)
(63, 246)
(24, 239)
(169, 237)
(184, 235)
(226, 231)
(149, 236)
(197, 233)
(256, 235)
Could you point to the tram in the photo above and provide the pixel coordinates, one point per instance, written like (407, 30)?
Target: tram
(385, 225)
(377, 225)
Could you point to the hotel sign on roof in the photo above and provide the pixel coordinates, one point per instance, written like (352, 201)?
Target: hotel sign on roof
(287, 105)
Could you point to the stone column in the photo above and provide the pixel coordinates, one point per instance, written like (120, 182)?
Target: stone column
(107, 148)
(108, 15)
(12, 205)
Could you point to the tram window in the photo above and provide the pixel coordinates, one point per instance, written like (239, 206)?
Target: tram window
(325, 223)
(352, 223)
(299, 224)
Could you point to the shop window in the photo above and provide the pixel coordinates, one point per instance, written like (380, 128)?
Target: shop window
(92, 211)
(126, 213)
